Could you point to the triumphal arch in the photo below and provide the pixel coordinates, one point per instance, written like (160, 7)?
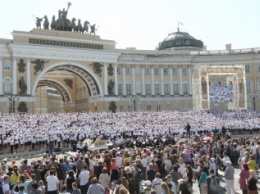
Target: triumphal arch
(91, 74)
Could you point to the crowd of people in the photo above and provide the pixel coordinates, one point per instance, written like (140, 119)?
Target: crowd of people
(145, 157)
(35, 131)
(221, 93)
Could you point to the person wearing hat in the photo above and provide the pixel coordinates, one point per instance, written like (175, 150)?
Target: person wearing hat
(229, 178)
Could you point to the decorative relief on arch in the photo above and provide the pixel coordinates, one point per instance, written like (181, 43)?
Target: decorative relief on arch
(97, 68)
(69, 82)
(39, 65)
(91, 84)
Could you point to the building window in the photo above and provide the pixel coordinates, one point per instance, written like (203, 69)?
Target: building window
(149, 108)
(128, 88)
(176, 88)
(119, 88)
(168, 107)
(129, 108)
(148, 89)
(177, 108)
(139, 108)
(165, 71)
(166, 89)
(137, 71)
(247, 68)
(121, 108)
(158, 108)
(127, 71)
(184, 72)
(7, 65)
(157, 88)
(147, 71)
(118, 70)
(185, 88)
(258, 68)
(7, 86)
(174, 71)
(248, 86)
(156, 71)
(138, 87)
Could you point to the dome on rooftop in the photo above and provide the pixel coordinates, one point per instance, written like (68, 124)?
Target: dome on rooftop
(180, 41)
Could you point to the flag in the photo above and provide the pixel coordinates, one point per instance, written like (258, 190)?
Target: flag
(179, 23)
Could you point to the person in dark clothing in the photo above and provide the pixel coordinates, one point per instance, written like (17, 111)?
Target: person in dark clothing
(188, 127)
(150, 174)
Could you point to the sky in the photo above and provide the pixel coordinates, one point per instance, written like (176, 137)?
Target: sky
(145, 23)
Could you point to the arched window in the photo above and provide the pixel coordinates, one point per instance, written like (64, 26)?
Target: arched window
(7, 86)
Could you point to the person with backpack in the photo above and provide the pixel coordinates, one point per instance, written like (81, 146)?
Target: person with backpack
(213, 183)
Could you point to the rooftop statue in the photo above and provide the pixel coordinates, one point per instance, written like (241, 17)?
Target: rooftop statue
(64, 24)
(38, 22)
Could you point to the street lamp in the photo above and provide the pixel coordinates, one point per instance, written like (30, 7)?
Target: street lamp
(134, 99)
(13, 98)
(253, 96)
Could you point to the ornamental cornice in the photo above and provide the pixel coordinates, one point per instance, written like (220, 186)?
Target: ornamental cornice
(225, 58)
(64, 53)
(153, 59)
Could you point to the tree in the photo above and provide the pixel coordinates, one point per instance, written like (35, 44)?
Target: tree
(112, 107)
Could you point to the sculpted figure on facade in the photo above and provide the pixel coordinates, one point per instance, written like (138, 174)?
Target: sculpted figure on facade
(110, 70)
(21, 66)
(110, 87)
(22, 86)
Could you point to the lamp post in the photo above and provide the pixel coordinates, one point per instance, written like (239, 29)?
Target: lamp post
(13, 98)
(134, 99)
(253, 95)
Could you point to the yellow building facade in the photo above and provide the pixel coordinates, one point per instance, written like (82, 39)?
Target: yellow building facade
(90, 73)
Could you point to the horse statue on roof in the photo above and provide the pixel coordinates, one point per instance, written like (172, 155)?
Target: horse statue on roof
(45, 23)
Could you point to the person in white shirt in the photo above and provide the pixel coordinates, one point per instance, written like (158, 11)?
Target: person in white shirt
(225, 159)
(83, 179)
(5, 185)
(52, 183)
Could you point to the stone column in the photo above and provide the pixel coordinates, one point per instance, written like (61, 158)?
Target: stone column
(28, 76)
(190, 80)
(116, 80)
(124, 84)
(162, 83)
(171, 81)
(152, 85)
(14, 76)
(1, 76)
(180, 81)
(133, 80)
(143, 81)
(105, 80)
